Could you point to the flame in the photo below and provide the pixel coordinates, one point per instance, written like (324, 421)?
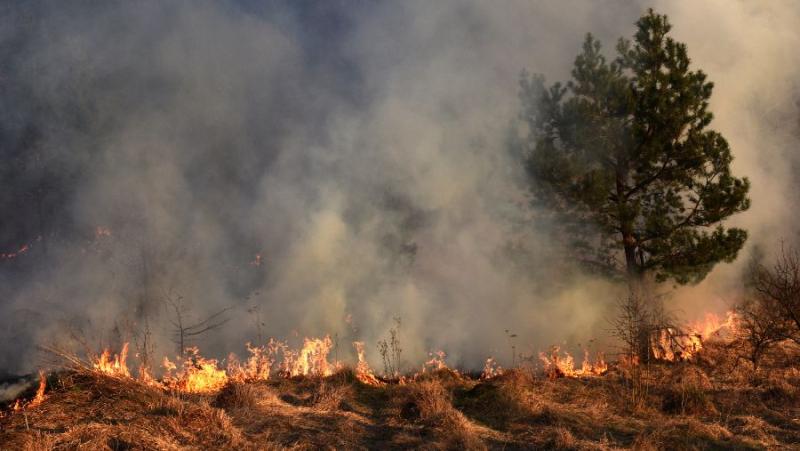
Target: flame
(712, 325)
(436, 362)
(115, 366)
(146, 377)
(556, 366)
(363, 371)
(39, 397)
(311, 360)
(491, 369)
(671, 345)
(198, 375)
(12, 255)
(259, 365)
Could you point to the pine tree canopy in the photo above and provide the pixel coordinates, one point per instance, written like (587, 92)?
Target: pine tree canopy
(623, 157)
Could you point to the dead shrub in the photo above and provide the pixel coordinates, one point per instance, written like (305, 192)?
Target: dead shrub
(687, 400)
(495, 403)
(563, 439)
(330, 397)
(686, 392)
(429, 403)
(236, 396)
(167, 406)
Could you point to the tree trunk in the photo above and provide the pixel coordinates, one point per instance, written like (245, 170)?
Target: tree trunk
(633, 273)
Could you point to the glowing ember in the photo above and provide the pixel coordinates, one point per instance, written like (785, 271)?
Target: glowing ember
(113, 366)
(12, 255)
(363, 371)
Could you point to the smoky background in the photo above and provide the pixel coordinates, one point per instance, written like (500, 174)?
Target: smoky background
(323, 167)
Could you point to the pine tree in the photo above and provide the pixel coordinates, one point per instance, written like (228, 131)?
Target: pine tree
(623, 158)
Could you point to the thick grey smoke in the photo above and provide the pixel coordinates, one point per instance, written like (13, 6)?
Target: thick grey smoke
(323, 169)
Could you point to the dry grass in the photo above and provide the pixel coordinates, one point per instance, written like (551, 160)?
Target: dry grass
(689, 406)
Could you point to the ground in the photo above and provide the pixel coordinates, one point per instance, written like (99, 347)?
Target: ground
(683, 405)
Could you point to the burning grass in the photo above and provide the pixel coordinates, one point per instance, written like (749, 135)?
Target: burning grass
(284, 398)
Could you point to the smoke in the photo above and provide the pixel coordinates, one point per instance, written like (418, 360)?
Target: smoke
(324, 168)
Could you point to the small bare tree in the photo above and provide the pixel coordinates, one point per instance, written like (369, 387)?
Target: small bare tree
(390, 350)
(633, 326)
(778, 288)
(769, 312)
(183, 329)
(760, 325)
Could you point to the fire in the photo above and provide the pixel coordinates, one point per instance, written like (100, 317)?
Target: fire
(363, 371)
(115, 366)
(556, 366)
(712, 325)
(260, 363)
(311, 360)
(146, 377)
(14, 254)
(672, 345)
(436, 362)
(39, 397)
(198, 375)
(491, 369)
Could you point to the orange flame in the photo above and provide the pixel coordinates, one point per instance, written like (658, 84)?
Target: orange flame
(556, 366)
(258, 366)
(363, 371)
(672, 345)
(198, 375)
(491, 369)
(311, 360)
(115, 366)
(39, 397)
(436, 362)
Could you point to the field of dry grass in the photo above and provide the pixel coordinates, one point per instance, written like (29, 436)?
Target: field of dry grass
(709, 404)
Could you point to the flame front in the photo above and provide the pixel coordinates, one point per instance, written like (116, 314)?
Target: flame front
(39, 397)
(671, 345)
(198, 374)
(556, 366)
(311, 360)
(115, 366)
(363, 371)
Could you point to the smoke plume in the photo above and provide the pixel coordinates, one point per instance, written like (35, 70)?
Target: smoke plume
(324, 167)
